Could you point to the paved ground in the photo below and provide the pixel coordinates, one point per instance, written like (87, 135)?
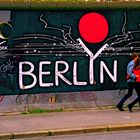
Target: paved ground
(57, 123)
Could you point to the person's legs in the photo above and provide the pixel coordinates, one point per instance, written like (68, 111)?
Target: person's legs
(137, 100)
(130, 106)
(129, 94)
(138, 94)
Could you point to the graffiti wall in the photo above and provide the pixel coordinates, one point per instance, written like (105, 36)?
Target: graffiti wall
(66, 51)
(71, 100)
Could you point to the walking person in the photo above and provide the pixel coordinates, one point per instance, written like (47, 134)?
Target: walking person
(131, 77)
(136, 71)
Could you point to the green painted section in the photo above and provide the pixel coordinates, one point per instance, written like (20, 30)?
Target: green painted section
(30, 42)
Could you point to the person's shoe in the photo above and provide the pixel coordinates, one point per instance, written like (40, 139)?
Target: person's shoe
(130, 108)
(120, 107)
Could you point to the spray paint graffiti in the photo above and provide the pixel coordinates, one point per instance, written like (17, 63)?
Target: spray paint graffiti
(6, 69)
(54, 98)
(1, 98)
(26, 99)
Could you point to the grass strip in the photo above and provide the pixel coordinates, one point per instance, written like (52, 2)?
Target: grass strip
(65, 5)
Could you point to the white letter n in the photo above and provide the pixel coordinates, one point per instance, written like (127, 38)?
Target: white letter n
(112, 76)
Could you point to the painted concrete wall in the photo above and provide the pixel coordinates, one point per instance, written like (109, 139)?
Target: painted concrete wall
(73, 100)
(69, 100)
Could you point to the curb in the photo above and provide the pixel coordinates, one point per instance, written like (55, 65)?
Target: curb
(69, 131)
(30, 134)
(10, 113)
(5, 136)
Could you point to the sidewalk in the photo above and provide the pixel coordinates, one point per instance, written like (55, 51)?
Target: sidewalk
(60, 123)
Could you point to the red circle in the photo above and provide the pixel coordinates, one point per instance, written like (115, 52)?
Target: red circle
(93, 27)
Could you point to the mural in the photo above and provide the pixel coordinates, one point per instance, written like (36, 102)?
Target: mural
(66, 51)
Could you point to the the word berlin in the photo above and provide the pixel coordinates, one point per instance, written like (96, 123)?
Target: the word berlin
(59, 74)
